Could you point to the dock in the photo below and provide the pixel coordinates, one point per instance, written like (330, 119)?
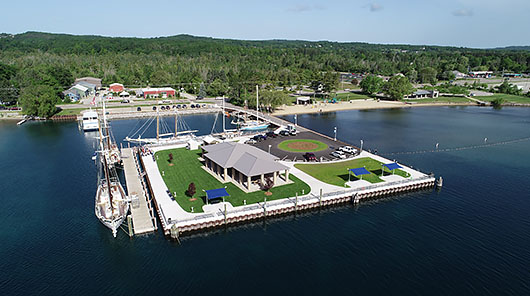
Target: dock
(143, 220)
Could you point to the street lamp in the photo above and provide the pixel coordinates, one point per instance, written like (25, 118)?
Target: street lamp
(349, 174)
(270, 149)
(335, 132)
(295, 120)
(362, 145)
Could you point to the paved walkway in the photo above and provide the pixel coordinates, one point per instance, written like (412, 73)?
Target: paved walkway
(141, 216)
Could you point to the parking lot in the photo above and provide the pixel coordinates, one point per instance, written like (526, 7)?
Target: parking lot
(282, 154)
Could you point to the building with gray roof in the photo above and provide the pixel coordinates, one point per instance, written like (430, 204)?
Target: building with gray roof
(243, 165)
(91, 80)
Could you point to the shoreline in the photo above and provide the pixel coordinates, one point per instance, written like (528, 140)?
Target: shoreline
(357, 105)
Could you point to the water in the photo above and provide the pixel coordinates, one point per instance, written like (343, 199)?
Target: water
(472, 237)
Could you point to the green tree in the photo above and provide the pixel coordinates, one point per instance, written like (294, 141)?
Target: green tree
(428, 75)
(38, 100)
(372, 84)
(397, 87)
(202, 90)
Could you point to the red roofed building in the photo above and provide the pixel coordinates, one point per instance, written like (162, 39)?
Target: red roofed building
(116, 87)
(162, 91)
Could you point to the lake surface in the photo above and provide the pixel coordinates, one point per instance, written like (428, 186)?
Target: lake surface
(470, 238)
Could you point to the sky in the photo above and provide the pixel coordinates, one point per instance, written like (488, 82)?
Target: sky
(467, 23)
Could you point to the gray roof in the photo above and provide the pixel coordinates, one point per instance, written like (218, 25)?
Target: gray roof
(247, 159)
(87, 84)
(423, 92)
(93, 80)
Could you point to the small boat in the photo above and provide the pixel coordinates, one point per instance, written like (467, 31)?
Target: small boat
(90, 121)
(254, 126)
(22, 122)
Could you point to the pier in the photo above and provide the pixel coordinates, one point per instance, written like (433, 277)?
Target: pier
(175, 220)
(143, 220)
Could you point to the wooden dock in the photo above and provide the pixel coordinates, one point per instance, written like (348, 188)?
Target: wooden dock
(142, 219)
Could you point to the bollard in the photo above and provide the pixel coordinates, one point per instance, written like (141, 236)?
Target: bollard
(296, 202)
(320, 198)
(129, 224)
(245, 202)
(192, 209)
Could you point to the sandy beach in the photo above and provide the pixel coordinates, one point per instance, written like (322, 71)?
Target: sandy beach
(354, 105)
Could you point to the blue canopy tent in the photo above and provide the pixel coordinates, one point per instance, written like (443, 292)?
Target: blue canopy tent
(215, 193)
(359, 172)
(391, 167)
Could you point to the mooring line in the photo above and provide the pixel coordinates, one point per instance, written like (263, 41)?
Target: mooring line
(458, 148)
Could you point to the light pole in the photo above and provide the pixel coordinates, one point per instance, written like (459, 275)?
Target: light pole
(295, 120)
(270, 149)
(335, 132)
(362, 145)
(349, 174)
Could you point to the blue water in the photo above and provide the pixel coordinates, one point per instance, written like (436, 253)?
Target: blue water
(470, 238)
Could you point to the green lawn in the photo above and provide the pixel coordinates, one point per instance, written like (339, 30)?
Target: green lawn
(285, 145)
(351, 96)
(441, 99)
(337, 173)
(187, 169)
(75, 111)
(507, 98)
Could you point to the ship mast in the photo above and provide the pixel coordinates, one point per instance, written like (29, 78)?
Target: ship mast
(103, 154)
(257, 103)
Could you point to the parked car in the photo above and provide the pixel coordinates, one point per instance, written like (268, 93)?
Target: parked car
(139, 109)
(348, 149)
(309, 156)
(271, 134)
(192, 106)
(338, 154)
(125, 101)
(200, 97)
(178, 106)
(154, 108)
(285, 133)
(163, 108)
(251, 141)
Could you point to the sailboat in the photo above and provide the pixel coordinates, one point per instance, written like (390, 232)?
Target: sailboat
(163, 138)
(112, 155)
(111, 204)
(254, 125)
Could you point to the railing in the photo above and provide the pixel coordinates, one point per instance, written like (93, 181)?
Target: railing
(294, 200)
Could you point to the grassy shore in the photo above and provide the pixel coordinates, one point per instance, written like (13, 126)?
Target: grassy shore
(187, 168)
(442, 99)
(337, 173)
(507, 98)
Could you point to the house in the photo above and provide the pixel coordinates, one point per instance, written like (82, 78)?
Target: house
(422, 94)
(245, 166)
(71, 94)
(91, 80)
(116, 87)
(163, 92)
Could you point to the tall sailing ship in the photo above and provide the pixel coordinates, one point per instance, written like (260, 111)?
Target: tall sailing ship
(111, 204)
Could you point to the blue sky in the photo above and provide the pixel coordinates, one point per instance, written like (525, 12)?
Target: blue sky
(470, 23)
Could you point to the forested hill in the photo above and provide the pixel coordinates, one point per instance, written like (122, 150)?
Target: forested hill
(53, 61)
(179, 44)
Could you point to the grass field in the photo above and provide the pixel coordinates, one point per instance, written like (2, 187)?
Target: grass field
(188, 169)
(507, 98)
(351, 96)
(75, 111)
(302, 145)
(337, 173)
(440, 100)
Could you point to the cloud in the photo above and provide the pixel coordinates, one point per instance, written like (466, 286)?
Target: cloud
(463, 12)
(375, 7)
(298, 8)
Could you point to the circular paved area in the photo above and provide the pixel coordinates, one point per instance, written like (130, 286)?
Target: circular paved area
(302, 145)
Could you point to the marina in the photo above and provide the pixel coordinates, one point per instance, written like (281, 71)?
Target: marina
(176, 221)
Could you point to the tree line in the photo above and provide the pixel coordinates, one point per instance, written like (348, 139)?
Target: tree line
(41, 64)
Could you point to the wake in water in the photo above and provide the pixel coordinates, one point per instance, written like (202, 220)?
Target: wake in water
(459, 148)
